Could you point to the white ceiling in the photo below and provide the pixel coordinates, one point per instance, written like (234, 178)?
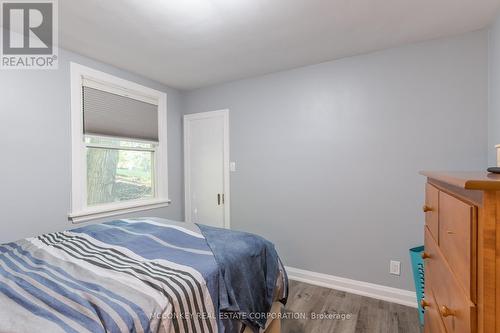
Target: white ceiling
(188, 44)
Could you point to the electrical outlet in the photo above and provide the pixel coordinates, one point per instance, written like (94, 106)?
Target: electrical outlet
(395, 267)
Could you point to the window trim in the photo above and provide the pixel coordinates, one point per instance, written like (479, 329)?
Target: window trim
(80, 211)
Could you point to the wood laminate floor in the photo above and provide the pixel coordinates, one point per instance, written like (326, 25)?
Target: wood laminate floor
(360, 314)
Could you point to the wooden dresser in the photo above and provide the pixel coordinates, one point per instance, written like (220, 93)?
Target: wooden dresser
(462, 252)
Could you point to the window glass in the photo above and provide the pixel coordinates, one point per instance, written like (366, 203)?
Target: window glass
(115, 175)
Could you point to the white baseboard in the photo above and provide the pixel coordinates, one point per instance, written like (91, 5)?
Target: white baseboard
(394, 295)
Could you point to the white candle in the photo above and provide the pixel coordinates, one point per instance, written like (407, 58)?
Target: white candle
(498, 155)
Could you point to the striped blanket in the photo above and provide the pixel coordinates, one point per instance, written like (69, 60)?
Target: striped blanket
(120, 276)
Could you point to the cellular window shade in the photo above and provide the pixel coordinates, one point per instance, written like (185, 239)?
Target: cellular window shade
(109, 114)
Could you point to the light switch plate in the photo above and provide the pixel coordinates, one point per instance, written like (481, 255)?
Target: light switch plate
(232, 166)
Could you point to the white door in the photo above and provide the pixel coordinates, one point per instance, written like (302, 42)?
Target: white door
(206, 168)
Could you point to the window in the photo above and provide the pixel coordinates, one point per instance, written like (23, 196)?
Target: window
(118, 170)
(118, 146)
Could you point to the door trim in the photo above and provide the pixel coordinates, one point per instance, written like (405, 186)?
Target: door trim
(187, 181)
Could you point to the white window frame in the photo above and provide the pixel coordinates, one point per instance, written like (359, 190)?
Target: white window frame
(80, 211)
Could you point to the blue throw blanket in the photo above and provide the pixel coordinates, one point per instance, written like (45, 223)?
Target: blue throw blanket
(245, 261)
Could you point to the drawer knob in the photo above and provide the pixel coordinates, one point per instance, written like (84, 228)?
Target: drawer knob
(445, 311)
(425, 255)
(426, 208)
(424, 304)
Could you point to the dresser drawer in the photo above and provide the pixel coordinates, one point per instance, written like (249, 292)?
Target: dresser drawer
(455, 309)
(432, 319)
(431, 210)
(456, 239)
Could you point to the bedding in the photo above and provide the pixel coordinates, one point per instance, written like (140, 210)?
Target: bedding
(249, 267)
(144, 275)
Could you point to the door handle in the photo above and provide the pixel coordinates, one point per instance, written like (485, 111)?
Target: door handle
(218, 199)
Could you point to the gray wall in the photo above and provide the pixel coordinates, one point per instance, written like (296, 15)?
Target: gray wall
(328, 155)
(494, 93)
(35, 162)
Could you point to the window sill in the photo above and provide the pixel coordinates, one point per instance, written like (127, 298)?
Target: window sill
(116, 209)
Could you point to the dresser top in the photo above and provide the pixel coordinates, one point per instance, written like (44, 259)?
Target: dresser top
(483, 181)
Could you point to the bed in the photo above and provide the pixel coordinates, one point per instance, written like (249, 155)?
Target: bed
(141, 275)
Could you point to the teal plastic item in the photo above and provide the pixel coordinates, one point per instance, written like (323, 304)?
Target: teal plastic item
(417, 264)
